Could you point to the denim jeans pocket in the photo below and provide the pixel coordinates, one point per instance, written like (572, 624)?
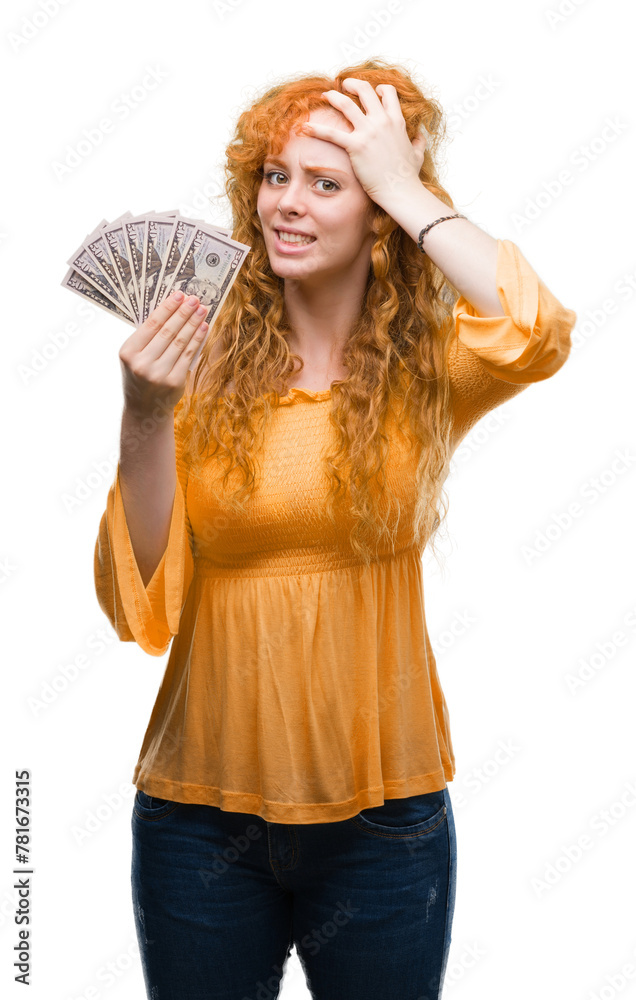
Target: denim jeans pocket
(150, 807)
(409, 817)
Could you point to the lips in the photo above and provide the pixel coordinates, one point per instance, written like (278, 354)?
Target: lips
(294, 232)
(292, 247)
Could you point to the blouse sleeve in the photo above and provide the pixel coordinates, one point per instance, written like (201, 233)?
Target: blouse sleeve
(492, 358)
(147, 615)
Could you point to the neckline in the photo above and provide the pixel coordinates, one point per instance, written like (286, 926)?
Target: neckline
(298, 393)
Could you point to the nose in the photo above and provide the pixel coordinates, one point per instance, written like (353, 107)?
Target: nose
(291, 198)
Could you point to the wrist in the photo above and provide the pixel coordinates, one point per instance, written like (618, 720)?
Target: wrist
(137, 407)
(400, 192)
(143, 421)
(414, 207)
(144, 432)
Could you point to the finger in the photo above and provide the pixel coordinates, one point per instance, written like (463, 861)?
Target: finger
(326, 132)
(158, 317)
(161, 337)
(186, 339)
(345, 105)
(367, 95)
(191, 346)
(390, 100)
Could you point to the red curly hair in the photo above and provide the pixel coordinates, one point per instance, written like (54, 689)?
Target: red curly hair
(396, 351)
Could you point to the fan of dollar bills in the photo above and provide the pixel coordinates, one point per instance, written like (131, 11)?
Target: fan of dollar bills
(129, 266)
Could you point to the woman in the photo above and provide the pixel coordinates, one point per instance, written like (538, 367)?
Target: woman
(292, 782)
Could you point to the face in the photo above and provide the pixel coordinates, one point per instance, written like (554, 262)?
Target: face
(328, 204)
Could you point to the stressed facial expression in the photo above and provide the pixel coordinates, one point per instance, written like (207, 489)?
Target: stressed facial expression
(310, 188)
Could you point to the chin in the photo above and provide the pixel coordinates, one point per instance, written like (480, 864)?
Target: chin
(288, 266)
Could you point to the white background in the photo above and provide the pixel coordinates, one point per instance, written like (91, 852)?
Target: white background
(527, 93)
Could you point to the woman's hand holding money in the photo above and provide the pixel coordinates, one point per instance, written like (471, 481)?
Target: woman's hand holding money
(156, 357)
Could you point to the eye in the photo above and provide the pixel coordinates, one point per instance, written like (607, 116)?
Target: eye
(320, 180)
(273, 173)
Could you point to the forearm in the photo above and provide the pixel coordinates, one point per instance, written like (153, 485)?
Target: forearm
(464, 253)
(147, 477)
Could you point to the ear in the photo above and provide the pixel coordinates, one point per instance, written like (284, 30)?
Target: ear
(420, 141)
(380, 221)
(419, 145)
(375, 217)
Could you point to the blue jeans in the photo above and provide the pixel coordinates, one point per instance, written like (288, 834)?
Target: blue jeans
(221, 897)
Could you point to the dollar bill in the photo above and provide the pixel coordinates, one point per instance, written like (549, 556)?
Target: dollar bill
(94, 273)
(183, 232)
(115, 238)
(129, 265)
(74, 281)
(157, 240)
(180, 239)
(196, 222)
(115, 222)
(208, 268)
(101, 252)
(214, 228)
(134, 234)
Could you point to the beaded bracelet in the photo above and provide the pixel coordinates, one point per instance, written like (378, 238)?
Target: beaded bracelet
(431, 224)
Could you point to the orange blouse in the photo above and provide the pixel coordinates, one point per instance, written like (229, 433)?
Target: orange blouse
(301, 686)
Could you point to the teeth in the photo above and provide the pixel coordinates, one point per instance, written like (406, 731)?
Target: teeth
(294, 238)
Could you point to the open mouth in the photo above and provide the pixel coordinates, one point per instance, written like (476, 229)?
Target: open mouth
(293, 240)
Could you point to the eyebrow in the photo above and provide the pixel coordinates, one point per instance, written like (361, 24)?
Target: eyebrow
(310, 168)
